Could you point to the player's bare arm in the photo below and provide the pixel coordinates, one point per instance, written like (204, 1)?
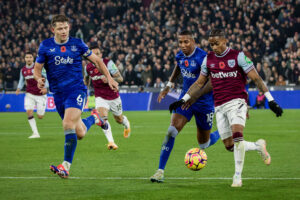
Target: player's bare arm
(118, 77)
(253, 75)
(198, 93)
(170, 84)
(87, 80)
(38, 75)
(103, 69)
(191, 93)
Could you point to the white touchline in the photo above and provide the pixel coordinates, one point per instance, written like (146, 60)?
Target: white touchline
(145, 178)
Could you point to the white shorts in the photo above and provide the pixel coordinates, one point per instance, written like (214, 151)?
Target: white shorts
(32, 101)
(232, 112)
(115, 105)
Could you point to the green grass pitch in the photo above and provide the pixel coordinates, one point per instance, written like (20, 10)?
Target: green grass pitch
(97, 173)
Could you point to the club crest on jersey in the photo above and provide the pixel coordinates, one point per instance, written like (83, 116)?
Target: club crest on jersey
(193, 63)
(73, 48)
(186, 63)
(231, 63)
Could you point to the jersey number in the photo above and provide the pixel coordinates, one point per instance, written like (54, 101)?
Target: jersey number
(209, 118)
(79, 100)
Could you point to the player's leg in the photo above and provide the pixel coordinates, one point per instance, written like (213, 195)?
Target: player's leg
(41, 104)
(204, 122)
(116, 108)
(178, 121)
(103, 111)
(29, 107)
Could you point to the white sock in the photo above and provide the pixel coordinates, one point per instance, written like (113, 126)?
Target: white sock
(108, 133)
(239, 156)
(250, 146)
(32, 124)
(66, 165)
(125, 122)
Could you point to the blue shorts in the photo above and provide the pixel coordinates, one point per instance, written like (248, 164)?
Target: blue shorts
(204, 117)
(74, 99)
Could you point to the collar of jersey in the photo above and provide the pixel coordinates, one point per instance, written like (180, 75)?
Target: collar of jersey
(61, 43)
(190, 54)
(224, 53)
(30, 66)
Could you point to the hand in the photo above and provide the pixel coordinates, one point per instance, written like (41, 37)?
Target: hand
(275, 108)
(114, 85)
(43, 91)
(162, 94)
(41, 83)
(104, 79)
(175, 105)
(188, 103)
(17, 91)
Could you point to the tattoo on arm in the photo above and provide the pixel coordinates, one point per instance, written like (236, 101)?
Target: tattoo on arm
(175, 74)
(260, 84)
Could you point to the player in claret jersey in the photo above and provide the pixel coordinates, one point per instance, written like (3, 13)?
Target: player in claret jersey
(34, 96)
(189, 60)
(61, 57)
(106, 98)
(228, 69)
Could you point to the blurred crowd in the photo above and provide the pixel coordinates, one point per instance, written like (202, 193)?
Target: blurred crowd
(140, 35)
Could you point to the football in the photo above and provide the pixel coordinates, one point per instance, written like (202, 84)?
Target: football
(195, 159)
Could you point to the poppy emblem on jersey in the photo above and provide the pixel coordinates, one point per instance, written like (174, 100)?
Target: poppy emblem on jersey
(28, 71)
(221, 65)
(186, 63)
(63, 49)
(96, 71)
(231, 63)
(73, 48)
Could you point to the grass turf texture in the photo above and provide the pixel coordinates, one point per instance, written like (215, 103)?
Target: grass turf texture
(97, 173)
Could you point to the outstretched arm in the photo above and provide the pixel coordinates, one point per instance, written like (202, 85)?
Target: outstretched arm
(170, 84)
(253, 75)
(103, 69)
(191, 93)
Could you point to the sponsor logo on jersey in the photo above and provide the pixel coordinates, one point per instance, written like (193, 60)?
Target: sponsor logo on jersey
(52, 50)
(231, 63)
(224, 74)
(73, 48)
(29, 77)
(193, 63)
(187, 74)
(94, 78)
(61, 60)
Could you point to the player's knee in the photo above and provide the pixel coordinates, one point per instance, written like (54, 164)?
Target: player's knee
(68, 124)
(80, 137)
(119, 119)
(40, 116)
(172, 131)
(230, 148)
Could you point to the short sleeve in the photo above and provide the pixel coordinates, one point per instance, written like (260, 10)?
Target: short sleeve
(204, 70)
(244, 62)
(84, 49)
(112, 68)
(41, 56)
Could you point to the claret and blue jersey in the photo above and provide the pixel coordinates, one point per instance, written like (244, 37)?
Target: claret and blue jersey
(63, 63)
(190, 68)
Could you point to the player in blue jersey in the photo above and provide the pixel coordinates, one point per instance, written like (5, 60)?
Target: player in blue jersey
(61, 57)
(189, 60)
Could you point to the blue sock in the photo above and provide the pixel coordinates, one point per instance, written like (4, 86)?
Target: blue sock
(89, 121)
(166, 151)
(214, 136)
(70, 145)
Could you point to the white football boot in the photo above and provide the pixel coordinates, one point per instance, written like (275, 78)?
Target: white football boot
(263, 151)
(158, 176)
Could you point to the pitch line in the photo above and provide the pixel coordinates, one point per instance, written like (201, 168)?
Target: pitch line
(146, 178)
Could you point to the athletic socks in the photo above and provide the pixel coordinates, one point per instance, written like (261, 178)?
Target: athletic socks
(214, 136)
(125, 122)
(239, 152)
(70, 145)
(32, 124)
(108, 133)
(89, 121)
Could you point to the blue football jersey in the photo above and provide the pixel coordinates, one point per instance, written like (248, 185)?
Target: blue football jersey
(190, 67)
(63, 63)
